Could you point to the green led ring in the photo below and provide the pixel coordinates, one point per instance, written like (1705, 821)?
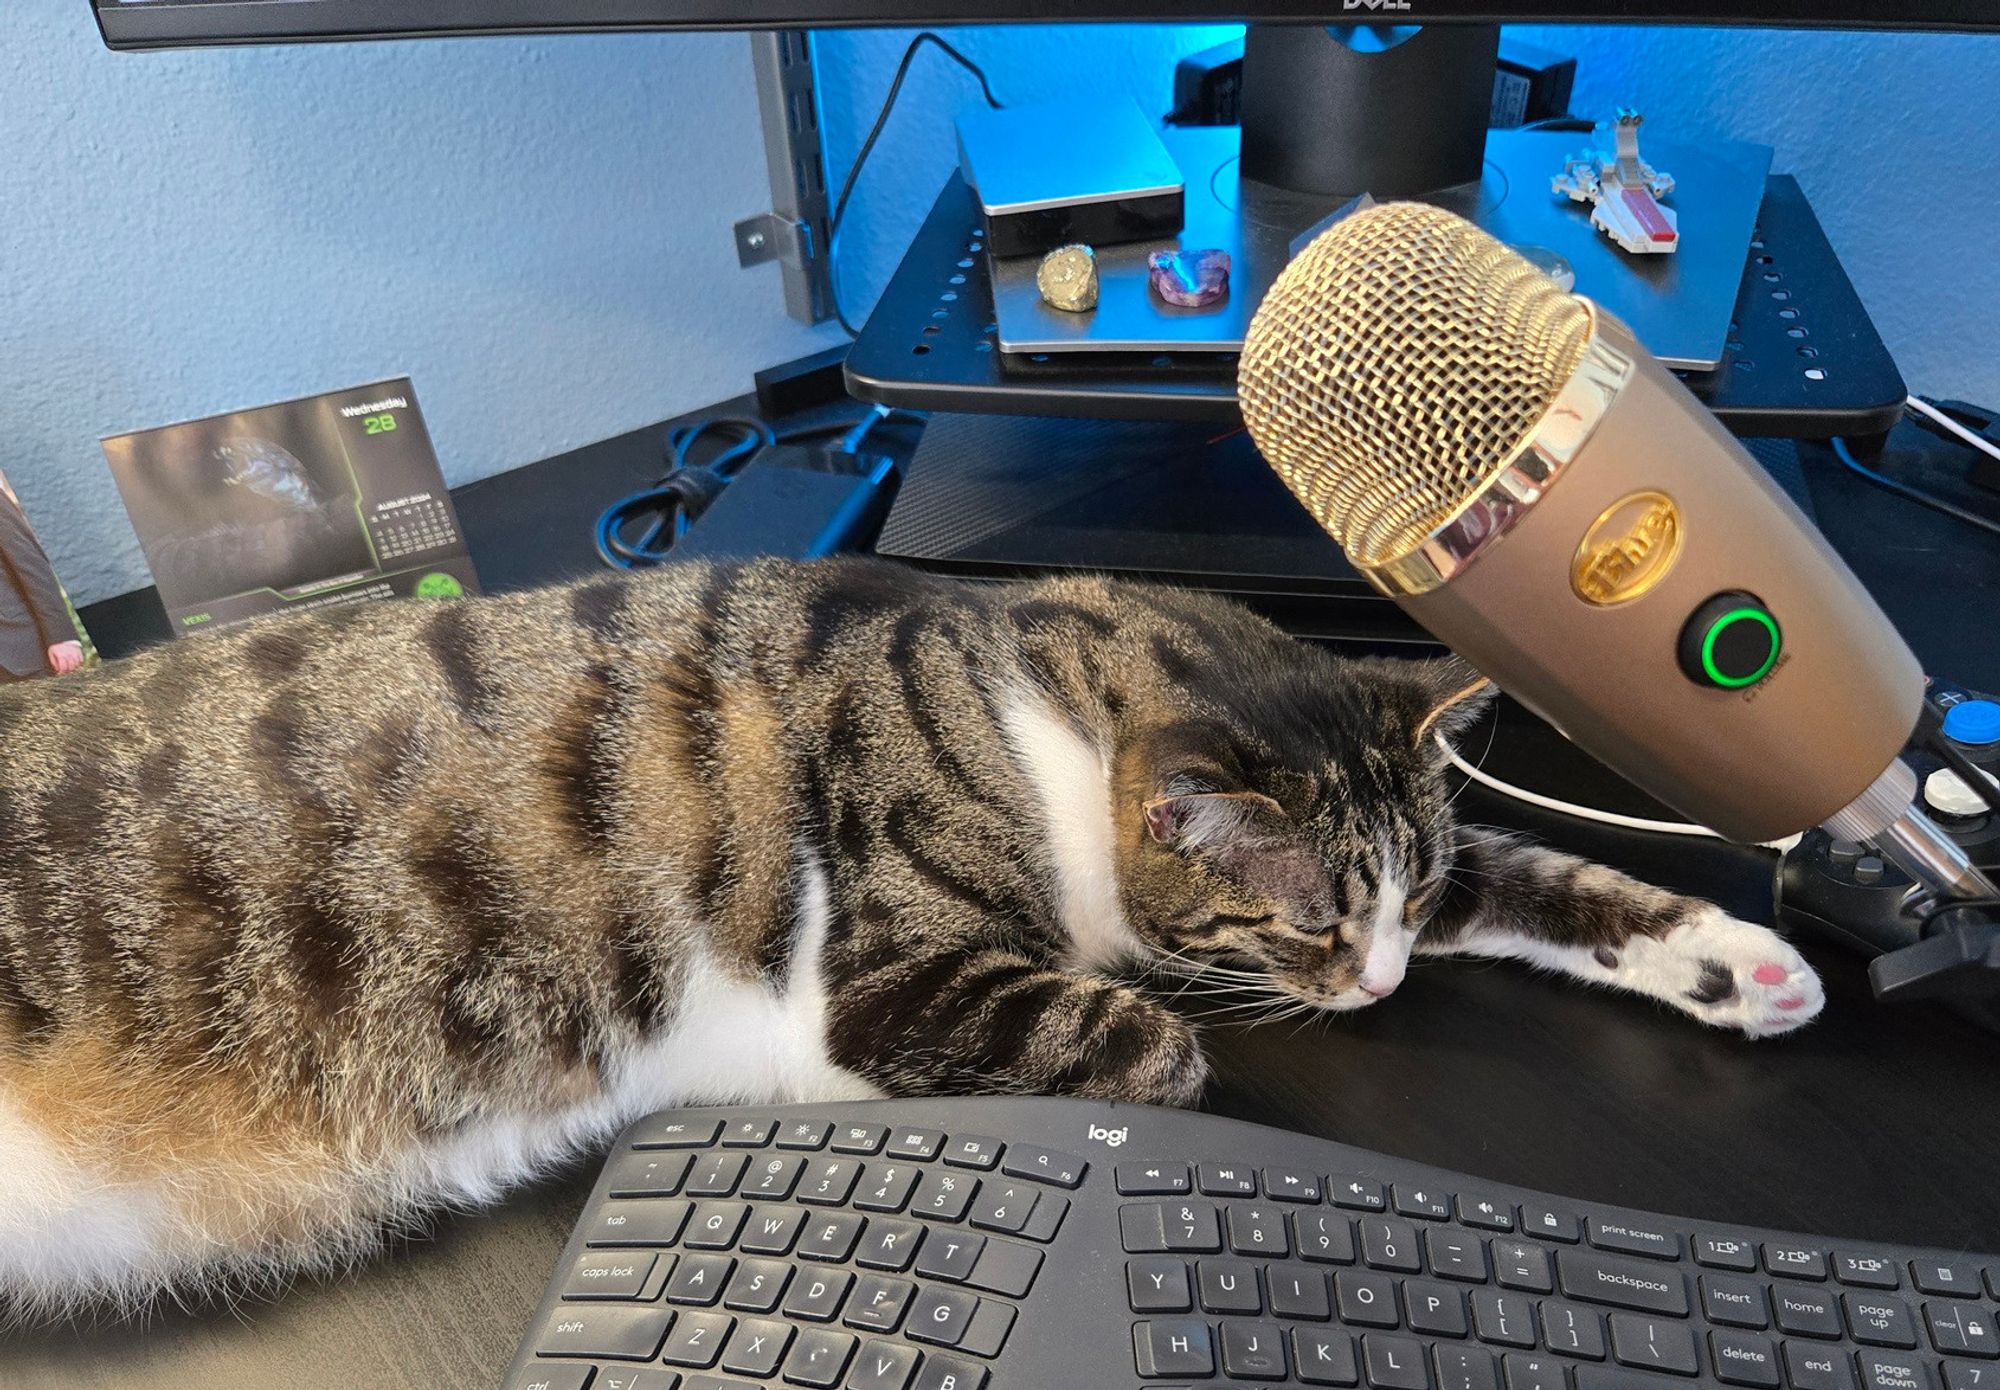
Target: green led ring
(1715, 628)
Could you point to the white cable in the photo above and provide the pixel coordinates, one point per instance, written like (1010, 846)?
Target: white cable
(1570, 808)
(1985, 446)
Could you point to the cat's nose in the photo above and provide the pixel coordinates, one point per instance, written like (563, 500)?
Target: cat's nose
(1381, 989)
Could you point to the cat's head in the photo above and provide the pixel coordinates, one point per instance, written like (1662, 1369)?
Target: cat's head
(1294, 834)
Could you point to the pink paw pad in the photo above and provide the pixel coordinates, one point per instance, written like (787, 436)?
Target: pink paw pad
(1795, 1002)
(1771, 973)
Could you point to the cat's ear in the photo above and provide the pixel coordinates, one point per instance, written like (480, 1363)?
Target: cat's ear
(1197, 821)
(1430, 699)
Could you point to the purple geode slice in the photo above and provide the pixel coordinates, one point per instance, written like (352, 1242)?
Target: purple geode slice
(1191, 279)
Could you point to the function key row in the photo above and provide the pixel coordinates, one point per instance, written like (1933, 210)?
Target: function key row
(975, 1151)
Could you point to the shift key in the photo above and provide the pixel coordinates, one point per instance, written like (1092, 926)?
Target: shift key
(1652, 1288)
(611, 1334)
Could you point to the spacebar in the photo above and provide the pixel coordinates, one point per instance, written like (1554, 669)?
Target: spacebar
(1654, 1287)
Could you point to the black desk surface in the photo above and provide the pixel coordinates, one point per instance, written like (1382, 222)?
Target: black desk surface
(1874, 1123)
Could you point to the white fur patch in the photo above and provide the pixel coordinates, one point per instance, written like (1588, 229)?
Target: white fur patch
(60, 1226)
(1072, 784)
(1389, 939)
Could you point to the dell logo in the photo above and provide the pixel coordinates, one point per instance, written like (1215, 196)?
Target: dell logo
(1113, 1137)
(1375, 4)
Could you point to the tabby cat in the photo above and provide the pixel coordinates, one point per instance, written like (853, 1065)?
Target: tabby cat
(307, 928)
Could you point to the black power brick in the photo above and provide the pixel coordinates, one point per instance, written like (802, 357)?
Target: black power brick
(797, 500)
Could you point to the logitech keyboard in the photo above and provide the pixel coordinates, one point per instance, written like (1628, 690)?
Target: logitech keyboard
(1038, 1244)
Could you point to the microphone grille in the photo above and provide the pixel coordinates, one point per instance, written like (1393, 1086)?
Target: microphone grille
(1397, 364)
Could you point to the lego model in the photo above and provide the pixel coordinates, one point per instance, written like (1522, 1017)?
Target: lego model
(1624, 192)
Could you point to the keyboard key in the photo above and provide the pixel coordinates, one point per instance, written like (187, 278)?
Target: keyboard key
(820, 1357)
(1878, 1320)
(1257, 1231)
(1456, 1254)
(859, 1139)
(1253, 1351)
(1523, 1266)
(1958, 1330)
(1736, 1302)
(1550, 1224)
(1963, 1375)
(1741, 1359)
(696, 1339)
(610, 1275)
(1506, 1318)
(943, 1196)
(889, 1244)
(1487, 1213)
(757, 1347)
(1321, 1357)
(772, 1230)
(1142, 1228)
(1228, 1286)
(1526, 1372)
(987, 1332)
(1290, 1185)
(1653, 1344)
(828, 1181)
(667, 1132)
(816, 1294)
(1003, 1206)
(647, 1174)
(1323, 1236)
(571, 1377)
(1951, 1278)
(700, 1279)
(1390, 1245)
(1634, 1239)
(757, 1286)
(886, 1186)
(1006, 1268)
(1153, 1179)
(1726, 1252)
(878, 1303)
(1047, 1165)
(1173, 1347)
(1046, 1219)
(1368, 1300)
(1158, 1286)
(940, 1315)
(1810, 1367)
(949, 1255)
(973, 1151)
(805, 1134)
(915, 1143)
(1435, 1309)
(613, 1334)
(936, 1372)
(1810, 1312)
(716, 1174)
(640, 1221)
(1225, 1180)
(831, 1235)
(1568, 1330)
(1795, 1261)
(883, 1366)
(1887, 1371)
(1298, 1291)
(1867, 1271)
(1191, 1226)
(748, 1134)
(1357, 1194)
(1394, 1363)
(1426, 1202)
(1464, 1368)
(715, 1225)
(1622, 1283)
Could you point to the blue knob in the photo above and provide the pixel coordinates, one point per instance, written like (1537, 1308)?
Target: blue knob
(1973, 721)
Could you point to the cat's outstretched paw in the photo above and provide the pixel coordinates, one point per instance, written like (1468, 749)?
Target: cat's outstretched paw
(1734, 974)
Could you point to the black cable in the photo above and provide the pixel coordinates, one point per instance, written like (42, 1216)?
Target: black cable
(1938, 910)
(1912, 494)
(867, 148)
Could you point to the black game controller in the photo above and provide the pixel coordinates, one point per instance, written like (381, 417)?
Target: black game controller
(1848, 894)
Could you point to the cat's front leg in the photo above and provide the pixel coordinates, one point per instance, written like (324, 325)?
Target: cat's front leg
(1515, 900)
(993, 1020)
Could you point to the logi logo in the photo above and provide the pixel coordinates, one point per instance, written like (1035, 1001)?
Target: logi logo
(1112, 1137)
(1375, 4)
